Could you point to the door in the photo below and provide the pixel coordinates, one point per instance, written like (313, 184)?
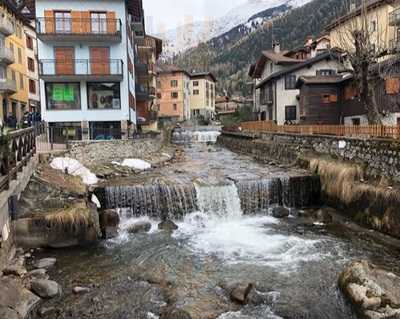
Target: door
(64, 61)
(98, 22)
(100, 60)
(63, 21)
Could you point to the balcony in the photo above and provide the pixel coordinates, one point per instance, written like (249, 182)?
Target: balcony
(394, 18)
(145, 93)
(141, 68)
(6, 56)
(79, 30)
(138, 27)
(8, 86)
(81, 70)
(6, 27)
(394, 46)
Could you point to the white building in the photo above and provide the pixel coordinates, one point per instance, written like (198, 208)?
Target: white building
(86, 65)
(276, 75)
(202, 95)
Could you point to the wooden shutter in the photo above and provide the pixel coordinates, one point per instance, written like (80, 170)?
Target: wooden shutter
(111, 23)
(64, 61)
(392, 86)
(86, 22)
(49, 21)
(333, 98)
(100, 60)
(76, 22)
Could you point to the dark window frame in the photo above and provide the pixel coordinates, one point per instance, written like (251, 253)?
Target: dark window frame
(290, 82)
(47, 84)
(102, 109)
(290, 113)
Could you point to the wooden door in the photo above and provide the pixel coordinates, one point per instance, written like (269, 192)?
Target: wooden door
(100, 60)
(64, 61)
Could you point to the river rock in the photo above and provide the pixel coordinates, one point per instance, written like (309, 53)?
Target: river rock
(8, 313)
(15, 270)
(45, 263)
(167, 225)
(139, 227)
(174, 313)
(45, 288)
(240, 293)
(109, 222)
(323, 216)
(280, 212)
(374, 292)
(38, 273)
(80, 290)
(45, 312)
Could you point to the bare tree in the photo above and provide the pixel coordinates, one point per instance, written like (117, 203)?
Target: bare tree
(366, 43)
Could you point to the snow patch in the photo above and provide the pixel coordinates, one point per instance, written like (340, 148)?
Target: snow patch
(96, 201)
(136, 164)
(74, 168)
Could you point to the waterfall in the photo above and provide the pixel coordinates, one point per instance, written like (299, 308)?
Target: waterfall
(219, 200)
(181, 136)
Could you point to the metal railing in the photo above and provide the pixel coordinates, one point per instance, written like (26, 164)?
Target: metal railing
(75, 26)
(394, 17)
(367, 131)
(81, 67)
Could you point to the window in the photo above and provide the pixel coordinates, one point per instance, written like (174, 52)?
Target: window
(32, 86)
(159, 95)
(271, 68)
(63, 96)
(31, 65)
(174, 95)
(195, 83)
(355, 121)
(326, 72)
(19, 56)
(290, 113)
(175, 107)
(290, 82)
(103, 96)
(21, 81)
(196, 92)
(18, 31)
(63, 21)
(12, 48)
(13, 76)
(29, 42)
(329, 98)
(3, 73)
(174, 83)
(98, 22)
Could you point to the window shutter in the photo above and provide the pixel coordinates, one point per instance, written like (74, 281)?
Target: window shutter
(49, 21)
(392, 86)
(76, 22)
(333, 98)
(111, 23)
(86, 25)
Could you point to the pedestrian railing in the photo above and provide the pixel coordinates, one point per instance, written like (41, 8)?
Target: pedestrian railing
(367, 131)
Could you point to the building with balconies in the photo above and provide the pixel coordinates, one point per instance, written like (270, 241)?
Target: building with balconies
(13, 68)
(86, 54)
(202, 95)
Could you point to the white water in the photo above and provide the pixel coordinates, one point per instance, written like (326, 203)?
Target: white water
(220, 229)
(206, 136)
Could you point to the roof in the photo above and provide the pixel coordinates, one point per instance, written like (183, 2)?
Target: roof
(170, 68)
(11, 6)
(334, 53)
(319, 79)
(371, 4)
(278, 58)
(203, 75)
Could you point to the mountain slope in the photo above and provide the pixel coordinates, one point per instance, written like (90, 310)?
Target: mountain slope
(230, 55)
(191, 34)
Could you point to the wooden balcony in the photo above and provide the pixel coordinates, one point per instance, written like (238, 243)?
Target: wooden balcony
(6, 56)
(79, 30)
(145, 92)
(81, 70)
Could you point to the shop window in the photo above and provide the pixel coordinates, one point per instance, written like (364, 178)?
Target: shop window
(103, 96)
(63, 96)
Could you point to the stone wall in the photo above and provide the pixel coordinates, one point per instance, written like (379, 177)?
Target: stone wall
(380, 157)
(100, 152)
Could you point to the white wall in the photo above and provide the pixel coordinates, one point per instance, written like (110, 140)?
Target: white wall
(117, 51)
(390, 119)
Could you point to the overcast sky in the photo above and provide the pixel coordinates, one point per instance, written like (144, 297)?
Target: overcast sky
(167, 14)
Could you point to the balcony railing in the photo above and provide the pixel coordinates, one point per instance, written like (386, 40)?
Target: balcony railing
(6, 55)
(79, 28)
(394, 18)
(6, 26)
(81, 68)
(144, 92)
(8, 86)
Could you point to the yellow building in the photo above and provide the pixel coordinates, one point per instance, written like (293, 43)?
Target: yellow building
(202, 95)
(13, 62)
(380, 17)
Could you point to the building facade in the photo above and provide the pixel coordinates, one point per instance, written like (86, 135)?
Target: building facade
(32, 68)
(202, 95)
(173, 94)
(13, 65)
(86, 65)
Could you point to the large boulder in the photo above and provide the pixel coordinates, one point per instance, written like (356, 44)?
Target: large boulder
(109, 223)
(175, 313)
(280, 212)
(374, 292)
(45, 288)
(74, 226)
(139, 227)
(14, 270)
(168, 225)
(45, 263)
(238, 291)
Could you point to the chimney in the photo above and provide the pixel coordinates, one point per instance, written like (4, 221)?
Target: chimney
(276, 47)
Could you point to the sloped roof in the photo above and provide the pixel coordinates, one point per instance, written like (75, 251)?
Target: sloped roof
(203, 75)
(333, 54)
(170, 68)
(319, 79)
